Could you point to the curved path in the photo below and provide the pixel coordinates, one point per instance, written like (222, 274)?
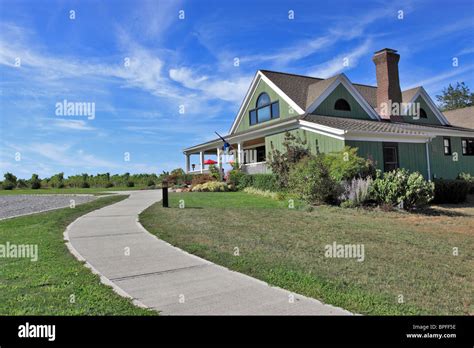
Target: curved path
(160, 276)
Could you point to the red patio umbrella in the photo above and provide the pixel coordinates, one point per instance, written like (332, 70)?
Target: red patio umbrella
(209, 161)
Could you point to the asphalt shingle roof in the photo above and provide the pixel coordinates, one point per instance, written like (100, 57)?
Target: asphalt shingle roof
(351, 124)
(461, 117)
(304, 90)
(356, 125)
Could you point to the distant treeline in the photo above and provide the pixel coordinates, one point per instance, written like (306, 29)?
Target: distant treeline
(105, 180)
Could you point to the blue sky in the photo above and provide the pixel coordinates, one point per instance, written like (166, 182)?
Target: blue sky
(190, 62)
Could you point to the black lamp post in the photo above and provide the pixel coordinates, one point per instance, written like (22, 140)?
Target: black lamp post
(164, 189)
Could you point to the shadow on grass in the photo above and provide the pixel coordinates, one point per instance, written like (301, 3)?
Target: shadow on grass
(441, 212)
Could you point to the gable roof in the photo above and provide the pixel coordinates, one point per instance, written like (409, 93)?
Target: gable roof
(259, 76)
(463, 117)
(294, 86)
(304, 90)
(305, 93)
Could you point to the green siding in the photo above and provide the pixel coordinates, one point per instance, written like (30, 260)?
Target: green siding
(325, 143)
(326, 108)
(285, 109)
(369, 149)
(431, 117)
(411, 156)
(443, 166)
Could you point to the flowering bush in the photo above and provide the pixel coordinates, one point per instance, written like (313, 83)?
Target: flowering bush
(356, 192)
(211, 186)
(399, 187)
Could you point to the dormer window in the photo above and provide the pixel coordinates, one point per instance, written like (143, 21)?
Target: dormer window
(342, 105)
(423, 113)
(264, 110)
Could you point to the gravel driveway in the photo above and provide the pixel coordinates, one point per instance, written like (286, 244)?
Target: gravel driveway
(27, 204)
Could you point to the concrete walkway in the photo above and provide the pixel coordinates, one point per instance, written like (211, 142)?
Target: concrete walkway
(160, 276)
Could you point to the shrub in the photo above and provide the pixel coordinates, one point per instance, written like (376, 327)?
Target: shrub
(245, 181)
(109, 184)
(201, 179)
(211, 186)
(215, 172)
(85, 184)
(35, 182)
(398, 187)
(469, 178)
(265, 182)
(281, 163)
(346, 165)
(235, 177)
(356, 192)
(178, 177)
(419, 192)
(311, 181)
(254, 191)
(21, 183)
(450, 191)
(57, 180)
(130, 184)
(8, 185)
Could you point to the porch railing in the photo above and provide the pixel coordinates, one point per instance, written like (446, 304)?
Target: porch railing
(255, 168)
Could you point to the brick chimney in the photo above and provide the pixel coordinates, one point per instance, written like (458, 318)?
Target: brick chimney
(388, 83)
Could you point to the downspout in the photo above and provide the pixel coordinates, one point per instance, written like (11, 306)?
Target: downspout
(428, 158)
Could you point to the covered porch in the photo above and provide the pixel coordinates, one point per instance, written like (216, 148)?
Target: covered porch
(249, 154)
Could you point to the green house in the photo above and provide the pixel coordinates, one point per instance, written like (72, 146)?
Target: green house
(394, 128)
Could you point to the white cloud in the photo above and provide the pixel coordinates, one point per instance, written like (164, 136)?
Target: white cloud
(440, 80)
(228, 90)
(341, 62)
(72, 124)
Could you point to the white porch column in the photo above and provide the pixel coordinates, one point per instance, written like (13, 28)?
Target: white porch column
(219, 162)
(201, 158)
(188, 160)
(239, 153)
(427, 147)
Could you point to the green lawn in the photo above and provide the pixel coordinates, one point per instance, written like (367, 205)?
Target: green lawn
(405, 254)
(45, 287)
(68, 190)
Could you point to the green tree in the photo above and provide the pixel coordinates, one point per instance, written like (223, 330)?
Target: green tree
(455, 97)
(10, 181)
(57, 180)
(35, 182)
